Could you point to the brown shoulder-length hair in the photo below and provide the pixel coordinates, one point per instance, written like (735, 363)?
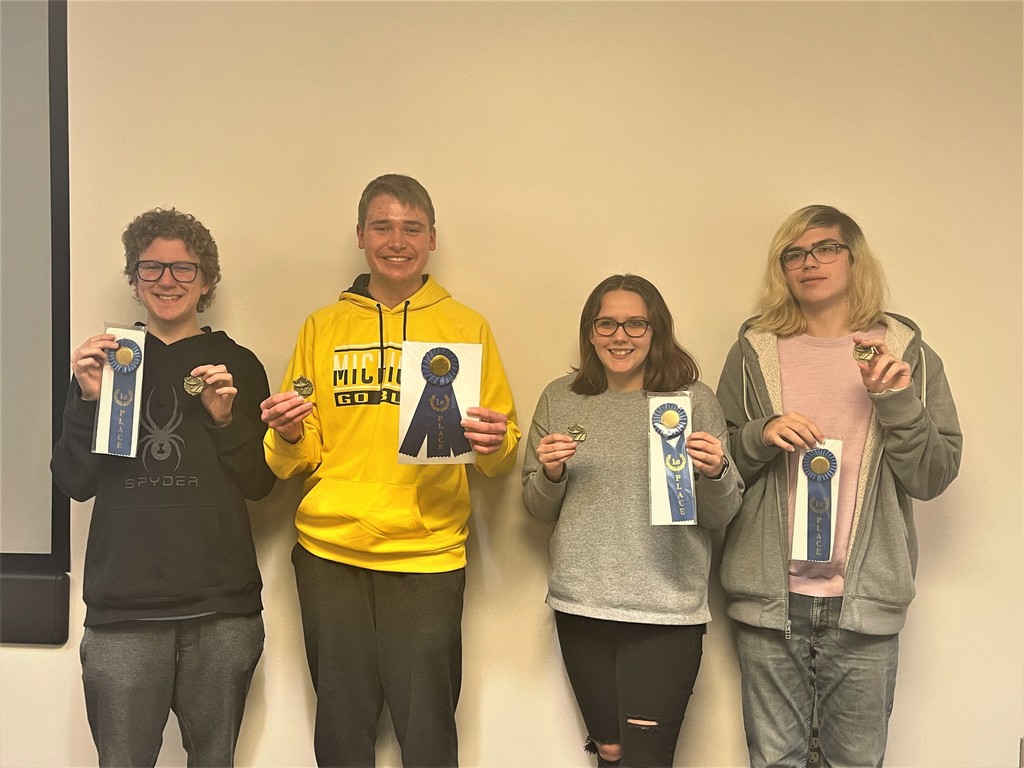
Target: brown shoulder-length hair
(779, 312)
(668, 367)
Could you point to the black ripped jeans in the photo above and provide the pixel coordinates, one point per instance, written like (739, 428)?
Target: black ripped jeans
(632, 682)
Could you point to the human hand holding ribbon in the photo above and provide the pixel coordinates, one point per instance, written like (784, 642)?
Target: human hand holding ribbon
(87, 363)
(486, 431)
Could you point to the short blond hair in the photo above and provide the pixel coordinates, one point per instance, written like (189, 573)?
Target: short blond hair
(778, 310)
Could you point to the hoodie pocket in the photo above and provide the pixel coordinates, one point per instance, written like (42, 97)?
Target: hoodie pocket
(337, 510)
(159, 556)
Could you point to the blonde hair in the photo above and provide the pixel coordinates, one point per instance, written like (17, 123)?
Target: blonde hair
(779, 312)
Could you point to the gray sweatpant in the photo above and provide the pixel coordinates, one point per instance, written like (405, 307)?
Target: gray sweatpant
(136, 672)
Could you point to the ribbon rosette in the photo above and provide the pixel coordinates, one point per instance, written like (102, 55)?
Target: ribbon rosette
(669, 421)
(819, 465)
(125, 360)
(437, 418)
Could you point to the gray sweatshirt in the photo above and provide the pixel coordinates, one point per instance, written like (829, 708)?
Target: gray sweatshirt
(912, 450)
(607, 560)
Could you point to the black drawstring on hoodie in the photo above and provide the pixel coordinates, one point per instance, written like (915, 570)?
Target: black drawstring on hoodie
(380, 336)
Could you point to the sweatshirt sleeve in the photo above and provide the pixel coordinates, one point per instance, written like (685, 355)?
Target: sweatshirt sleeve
(922, 438)
(239, 445)
(749, 452)
(718, 500)
(496, 394)
(541, 497)
(74, 466)
(285, 459)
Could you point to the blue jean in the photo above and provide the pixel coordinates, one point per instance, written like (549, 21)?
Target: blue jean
(376, 636)
(632, 682)
(848, 678)
(136, 673)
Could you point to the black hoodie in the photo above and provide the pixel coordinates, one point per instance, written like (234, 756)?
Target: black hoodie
(170, 533)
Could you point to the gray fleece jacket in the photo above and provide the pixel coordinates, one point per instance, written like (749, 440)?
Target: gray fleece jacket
(607, 560)
(912, 451)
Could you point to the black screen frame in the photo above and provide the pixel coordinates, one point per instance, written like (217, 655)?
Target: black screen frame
(34, 587)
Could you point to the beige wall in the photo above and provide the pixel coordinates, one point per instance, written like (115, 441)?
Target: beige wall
(561, 143)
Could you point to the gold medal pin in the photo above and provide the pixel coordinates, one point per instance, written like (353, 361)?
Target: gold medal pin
(863, 354)
(194, 385)
(577, 432)
(303, 386)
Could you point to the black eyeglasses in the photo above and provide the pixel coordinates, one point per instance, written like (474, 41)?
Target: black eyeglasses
(825, 253)
(634, 327)
(182, 271)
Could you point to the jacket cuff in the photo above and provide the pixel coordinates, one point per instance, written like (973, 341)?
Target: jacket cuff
(753, 444)
(231, 437)
(80, 413)
(278, 446)
(896, 406)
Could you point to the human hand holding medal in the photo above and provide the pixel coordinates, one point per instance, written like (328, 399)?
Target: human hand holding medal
(880, 370)
(285, 412)
(214, 385)
(555, 449)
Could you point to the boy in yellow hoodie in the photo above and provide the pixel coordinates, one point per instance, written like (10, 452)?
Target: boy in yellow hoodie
(380, 559)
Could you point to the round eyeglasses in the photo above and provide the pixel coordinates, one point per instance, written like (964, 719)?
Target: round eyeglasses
(182, 271)
(634, 327)
(825, 253)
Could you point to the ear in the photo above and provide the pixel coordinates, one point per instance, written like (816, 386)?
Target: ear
(433, 239)
(359, 235)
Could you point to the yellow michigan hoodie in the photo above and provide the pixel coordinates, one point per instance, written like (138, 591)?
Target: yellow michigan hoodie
(361, 506)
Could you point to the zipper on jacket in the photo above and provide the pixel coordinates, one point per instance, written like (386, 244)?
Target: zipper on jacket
(789, 629)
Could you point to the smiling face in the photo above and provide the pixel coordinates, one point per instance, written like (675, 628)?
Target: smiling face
(820, 287)
(170, 305)
(397, 240)
(622, 356)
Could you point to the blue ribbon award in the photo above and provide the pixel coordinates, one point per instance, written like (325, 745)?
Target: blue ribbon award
(117, 412)
(671, 473)
(436, 421)
(817, 489)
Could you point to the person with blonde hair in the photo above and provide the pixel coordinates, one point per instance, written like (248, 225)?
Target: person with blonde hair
(825, 383)
(630, 598)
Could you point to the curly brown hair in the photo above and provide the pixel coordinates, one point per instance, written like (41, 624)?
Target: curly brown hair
(668, 367)
(172, 224)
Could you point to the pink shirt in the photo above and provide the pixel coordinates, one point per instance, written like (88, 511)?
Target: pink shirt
(821, 380)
